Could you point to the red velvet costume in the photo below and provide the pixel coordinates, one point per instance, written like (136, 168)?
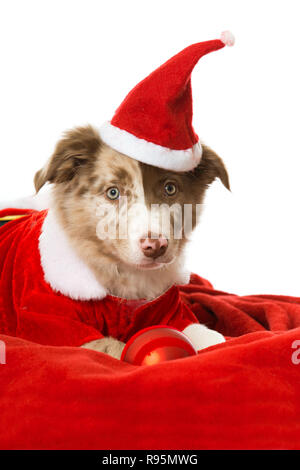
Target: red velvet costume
(32, 310)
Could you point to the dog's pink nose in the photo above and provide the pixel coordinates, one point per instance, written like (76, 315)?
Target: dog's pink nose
(154, 247)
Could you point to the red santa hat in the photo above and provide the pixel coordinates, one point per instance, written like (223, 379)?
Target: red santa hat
(154, 122)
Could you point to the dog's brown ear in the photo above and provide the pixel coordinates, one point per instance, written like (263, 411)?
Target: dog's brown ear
(75, 150)
(212, 166)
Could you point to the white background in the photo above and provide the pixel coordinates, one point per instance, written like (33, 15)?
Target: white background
(65, 63)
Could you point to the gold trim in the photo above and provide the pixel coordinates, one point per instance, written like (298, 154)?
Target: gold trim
(11, 217)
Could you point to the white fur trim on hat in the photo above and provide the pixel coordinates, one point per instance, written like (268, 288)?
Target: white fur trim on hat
(63, 269)
(147, 152)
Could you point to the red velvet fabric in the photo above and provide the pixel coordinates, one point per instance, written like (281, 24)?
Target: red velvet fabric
(242, 394)
(159, 109)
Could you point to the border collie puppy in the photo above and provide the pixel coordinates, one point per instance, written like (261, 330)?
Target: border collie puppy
(125, 199)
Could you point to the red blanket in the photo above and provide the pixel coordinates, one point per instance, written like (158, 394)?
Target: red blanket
(241, 394)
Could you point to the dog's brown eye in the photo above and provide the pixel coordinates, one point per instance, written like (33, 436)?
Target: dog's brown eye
(170, 189)
(113, 193)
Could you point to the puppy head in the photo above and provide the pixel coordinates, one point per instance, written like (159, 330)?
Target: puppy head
(116, 207)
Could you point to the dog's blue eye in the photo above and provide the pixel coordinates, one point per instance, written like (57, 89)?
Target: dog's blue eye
(113, 193)
(170, 189)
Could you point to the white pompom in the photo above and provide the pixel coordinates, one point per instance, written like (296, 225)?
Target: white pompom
(227, 38)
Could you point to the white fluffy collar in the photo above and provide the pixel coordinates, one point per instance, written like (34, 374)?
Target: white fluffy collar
(63, 269)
